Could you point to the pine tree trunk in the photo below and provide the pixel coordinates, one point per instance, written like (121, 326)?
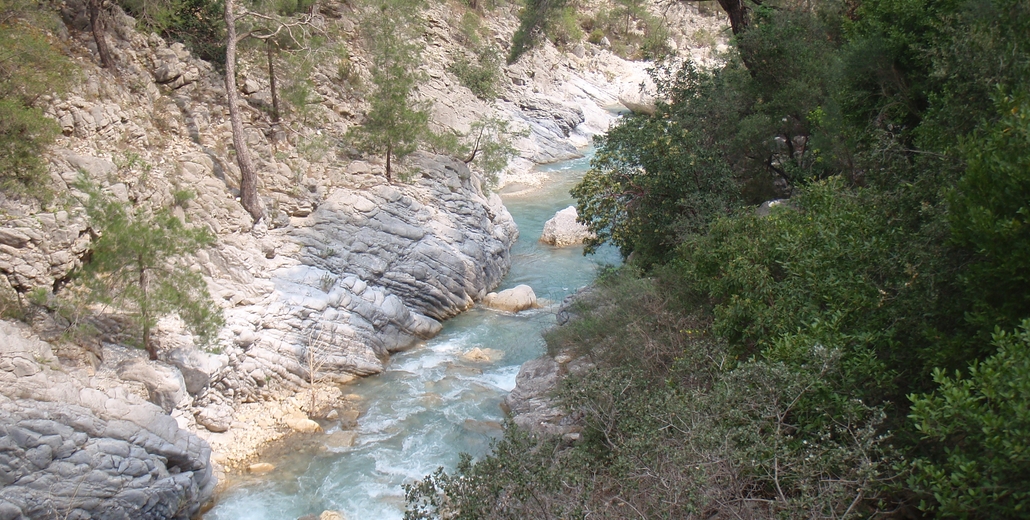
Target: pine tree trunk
(248, 179)
(96, 22)
(271, 80)
(739, 13)
(144, 308)
(389, 154)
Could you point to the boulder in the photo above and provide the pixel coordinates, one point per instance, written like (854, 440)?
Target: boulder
(483, 355)
(300, 423)
(164, 383)
(766, 208)
(261, 468)
(216, 418)
(197, 367)
(563, 230)
(531, 404)
(518, 298)
(638, 103)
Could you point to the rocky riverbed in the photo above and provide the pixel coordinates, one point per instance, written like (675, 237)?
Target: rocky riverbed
(345, 270)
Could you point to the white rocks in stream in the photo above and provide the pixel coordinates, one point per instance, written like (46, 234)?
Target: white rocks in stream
(563, 230)
(516, 299)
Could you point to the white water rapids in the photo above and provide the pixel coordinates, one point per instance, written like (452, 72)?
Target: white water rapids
(431, 403)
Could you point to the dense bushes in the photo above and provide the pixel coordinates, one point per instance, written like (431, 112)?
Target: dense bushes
(833, 358)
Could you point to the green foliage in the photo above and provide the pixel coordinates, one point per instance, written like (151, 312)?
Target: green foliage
(490, 148)
(197, 23)
(633, 32)
(139, 265)
(779, 365)
(537, 20)
(979, 430)
(563, 30)
(990, 215)
(25, 134)
(835, 266)
(479, 76)
(396, 122)
(653, 181)
(669, 432)
(30, 67)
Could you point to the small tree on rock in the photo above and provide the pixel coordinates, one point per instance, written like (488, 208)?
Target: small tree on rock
(396, 122)
(137, 265)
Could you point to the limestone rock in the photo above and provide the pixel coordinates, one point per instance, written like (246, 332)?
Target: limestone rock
(483, 355)
(197, 367)
(72, 451)
(300, 423)
(215, 417)
(518, 298)
(638, 103)
(165, 384)
(341, 439)
(261, 468)
(531, 404)
(563, 230)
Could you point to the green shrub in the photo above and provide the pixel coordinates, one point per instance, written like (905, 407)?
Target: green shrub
(197, 23)
(836, 266)
(31, 67)
(978, 429)
(138, 265)
(479, 76)
(564, 29)
(990, 215)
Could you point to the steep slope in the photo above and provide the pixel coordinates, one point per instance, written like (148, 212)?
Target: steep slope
(345, 269)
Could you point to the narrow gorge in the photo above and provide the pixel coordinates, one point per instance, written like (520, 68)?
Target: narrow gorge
(345, 271)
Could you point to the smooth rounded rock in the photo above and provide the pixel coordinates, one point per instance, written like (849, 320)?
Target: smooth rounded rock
(563, 230)
(516, 299)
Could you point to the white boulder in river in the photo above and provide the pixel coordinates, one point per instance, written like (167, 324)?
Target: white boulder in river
(563, 229)
(518, 298)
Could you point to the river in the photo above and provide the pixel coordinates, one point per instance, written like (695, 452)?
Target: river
(431, 403)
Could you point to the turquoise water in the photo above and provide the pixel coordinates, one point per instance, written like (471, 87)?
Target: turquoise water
(431, 403)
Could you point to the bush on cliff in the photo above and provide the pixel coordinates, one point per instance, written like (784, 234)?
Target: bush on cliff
(30, 68)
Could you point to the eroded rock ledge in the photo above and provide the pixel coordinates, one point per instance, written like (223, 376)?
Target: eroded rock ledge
(71, 450)
(370, 272)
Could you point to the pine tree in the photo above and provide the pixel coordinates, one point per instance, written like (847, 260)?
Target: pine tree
(396, 122)
(137, 264)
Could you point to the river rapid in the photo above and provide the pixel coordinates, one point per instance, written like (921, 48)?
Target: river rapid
(432, 402)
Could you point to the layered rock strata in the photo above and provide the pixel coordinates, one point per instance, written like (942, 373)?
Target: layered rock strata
(69, 449)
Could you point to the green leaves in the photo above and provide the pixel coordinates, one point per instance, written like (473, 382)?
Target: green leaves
(977, 429)
(30, 67)
(396, 122)
(653, 181)
(139, 264)
(990, 215)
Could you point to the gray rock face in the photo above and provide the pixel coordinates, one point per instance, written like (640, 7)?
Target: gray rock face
(563, 230)
(68, 450)
(550, 122)
(368, 273)
(166, 386)
(531, 405)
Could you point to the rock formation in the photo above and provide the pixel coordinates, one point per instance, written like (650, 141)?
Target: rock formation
(563, 230)
(518, 298)
(71, 449)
